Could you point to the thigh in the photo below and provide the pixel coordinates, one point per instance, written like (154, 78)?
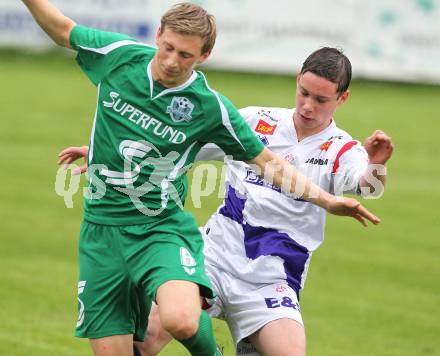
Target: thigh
(179, 300)
(117, 345)
(280, 337)
(171, 250)
(106, 294)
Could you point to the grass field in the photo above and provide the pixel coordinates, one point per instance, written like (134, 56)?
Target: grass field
(372, 291)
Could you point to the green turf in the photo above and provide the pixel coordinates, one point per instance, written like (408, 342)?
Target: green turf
(370, 291)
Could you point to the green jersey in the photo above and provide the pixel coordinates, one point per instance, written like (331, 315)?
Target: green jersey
(145, 136)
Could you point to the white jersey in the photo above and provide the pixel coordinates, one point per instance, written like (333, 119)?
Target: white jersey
(262, 235)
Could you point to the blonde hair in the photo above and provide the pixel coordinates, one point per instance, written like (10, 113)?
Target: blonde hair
(191, 19)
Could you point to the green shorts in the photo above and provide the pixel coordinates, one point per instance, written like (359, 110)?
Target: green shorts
(121, 268)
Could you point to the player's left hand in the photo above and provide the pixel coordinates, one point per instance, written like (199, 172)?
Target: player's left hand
(379, 147)
(351, 207)
(71, 154)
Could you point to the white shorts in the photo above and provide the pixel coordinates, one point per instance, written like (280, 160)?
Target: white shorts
(247, 307)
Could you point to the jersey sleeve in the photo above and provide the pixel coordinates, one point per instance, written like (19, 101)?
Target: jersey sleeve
(349, 167)
(99, 52)
(232, 134)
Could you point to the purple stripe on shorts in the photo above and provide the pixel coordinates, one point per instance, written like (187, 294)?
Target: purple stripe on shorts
(260, 241)
(233, 206)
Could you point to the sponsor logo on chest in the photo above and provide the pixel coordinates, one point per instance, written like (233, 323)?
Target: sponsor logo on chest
(317, 161)
(145, 121)
(265, 128)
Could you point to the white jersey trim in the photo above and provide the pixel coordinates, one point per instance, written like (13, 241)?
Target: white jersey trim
(225, 116)
(92, 135)
(191, 79)
(112, 46)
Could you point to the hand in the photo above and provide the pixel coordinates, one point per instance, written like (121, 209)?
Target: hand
(71, 154)
(351, 207)
(379, 147)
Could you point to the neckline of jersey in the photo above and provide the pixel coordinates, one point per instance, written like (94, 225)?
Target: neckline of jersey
(308, 138)
(190, 80)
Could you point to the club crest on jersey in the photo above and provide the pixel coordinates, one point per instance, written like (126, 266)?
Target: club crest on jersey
(180, 109)
(325, 146)
(264, 128)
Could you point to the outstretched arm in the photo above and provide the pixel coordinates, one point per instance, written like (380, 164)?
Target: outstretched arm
(282, 174)
(51, 20)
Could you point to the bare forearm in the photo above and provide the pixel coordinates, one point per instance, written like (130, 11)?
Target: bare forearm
(275, 170)
(284, 175)
(51, 20)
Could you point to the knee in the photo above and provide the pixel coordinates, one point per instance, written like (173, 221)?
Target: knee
(181, 325)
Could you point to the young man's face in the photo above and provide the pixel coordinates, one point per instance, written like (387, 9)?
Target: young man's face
(316, 101)
(176, 57)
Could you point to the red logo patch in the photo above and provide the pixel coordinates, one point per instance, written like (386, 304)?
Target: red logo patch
(264, 128)
(325, 146)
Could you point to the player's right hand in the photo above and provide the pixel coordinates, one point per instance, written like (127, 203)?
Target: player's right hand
(71, 154)
(351, 207)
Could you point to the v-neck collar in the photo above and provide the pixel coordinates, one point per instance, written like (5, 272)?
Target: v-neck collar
(311, 137)
(169, 90)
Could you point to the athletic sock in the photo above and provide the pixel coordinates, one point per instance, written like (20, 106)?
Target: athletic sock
(203, 342)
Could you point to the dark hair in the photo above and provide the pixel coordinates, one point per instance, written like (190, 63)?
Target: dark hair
(331, 64)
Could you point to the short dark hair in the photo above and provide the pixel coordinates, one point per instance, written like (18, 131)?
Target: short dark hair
(329, 63)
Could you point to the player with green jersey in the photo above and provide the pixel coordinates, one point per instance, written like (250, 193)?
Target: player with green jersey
(145, 136)
(154, 112)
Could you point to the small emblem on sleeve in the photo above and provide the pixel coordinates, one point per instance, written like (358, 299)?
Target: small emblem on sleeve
(264, 128)
(180, 109)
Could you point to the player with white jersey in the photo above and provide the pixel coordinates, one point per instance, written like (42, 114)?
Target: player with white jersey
(259, 243)
(253, 207)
